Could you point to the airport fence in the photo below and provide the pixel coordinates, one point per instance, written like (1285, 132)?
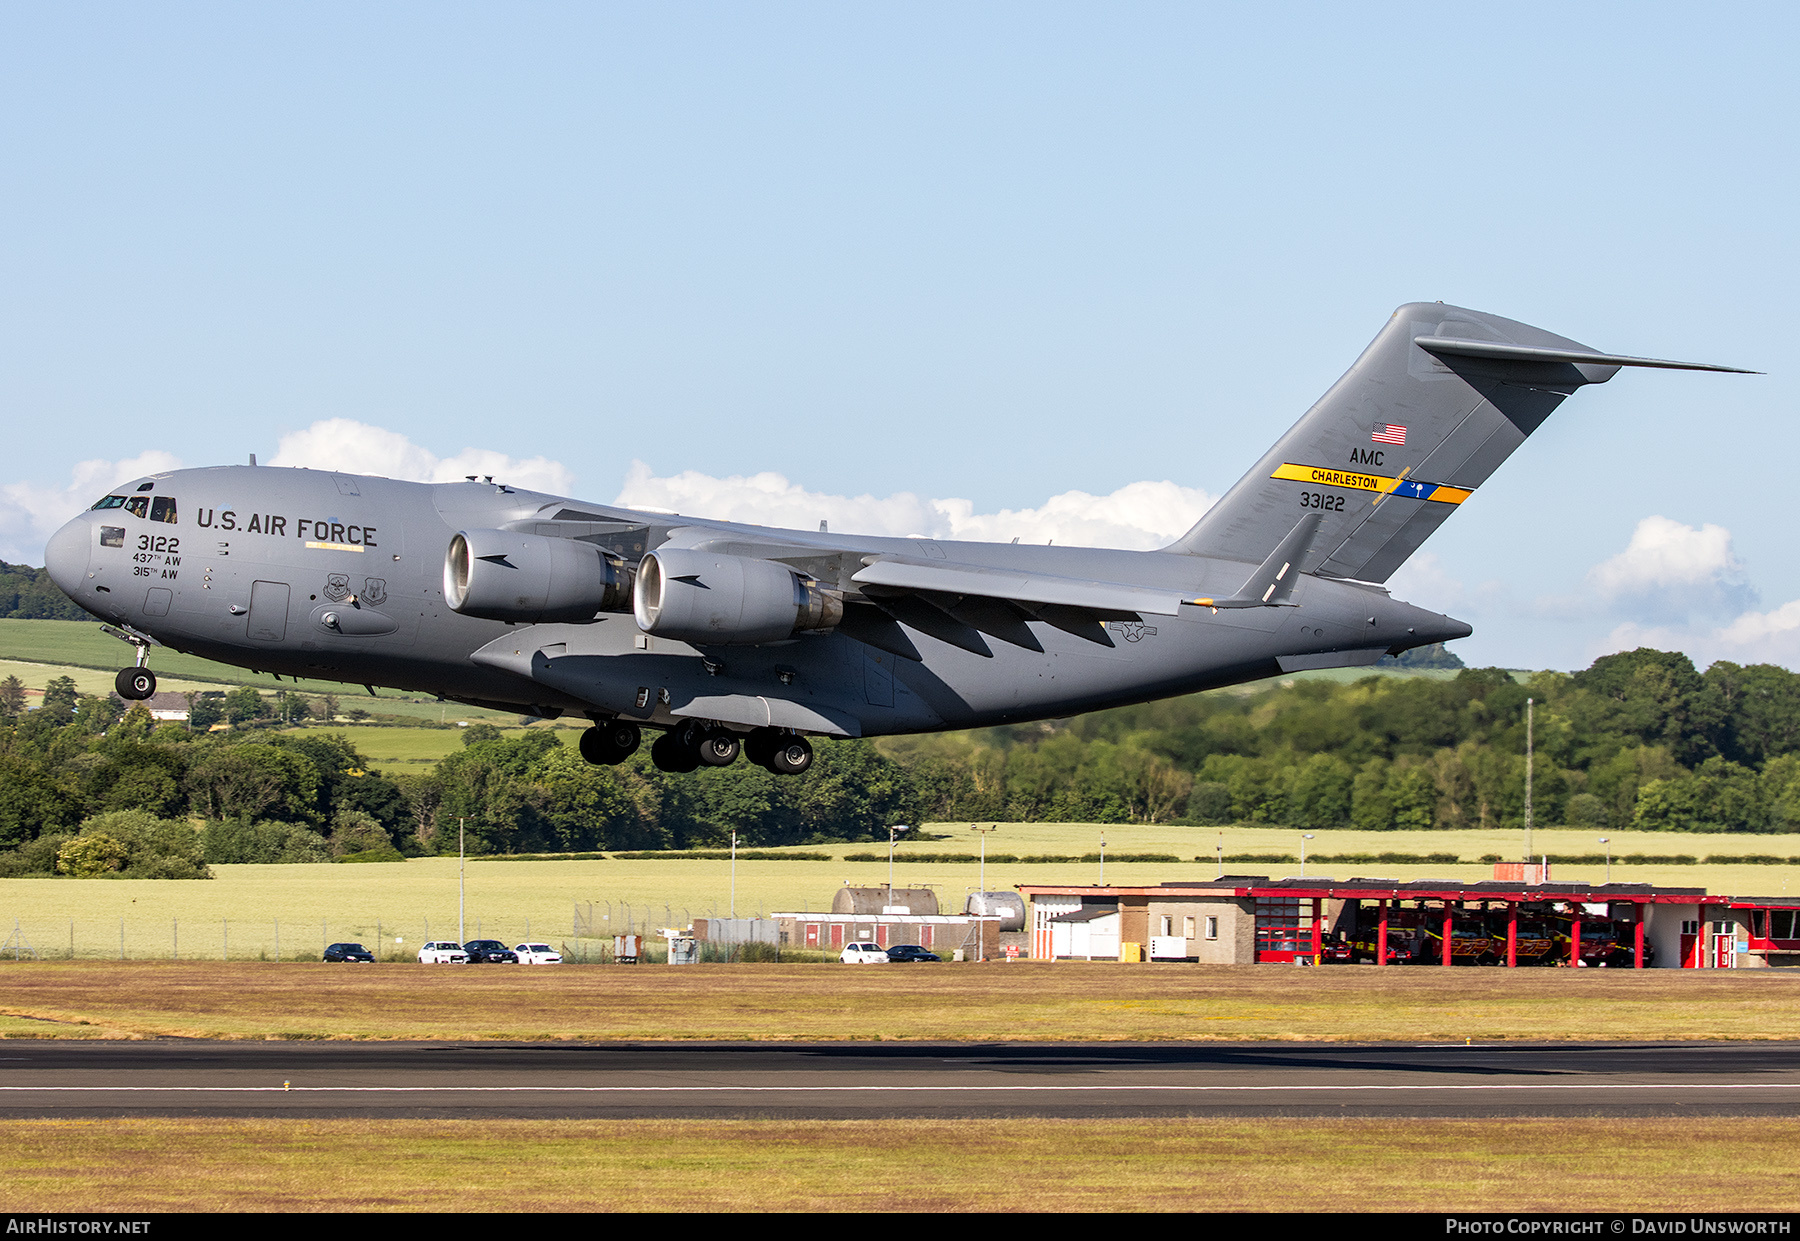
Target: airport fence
(586, 938)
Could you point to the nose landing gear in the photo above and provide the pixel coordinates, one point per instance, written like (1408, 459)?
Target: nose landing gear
(137, 682)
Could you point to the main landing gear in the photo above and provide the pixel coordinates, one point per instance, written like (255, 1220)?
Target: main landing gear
(782, 753)
(693, 745)
(609, 742)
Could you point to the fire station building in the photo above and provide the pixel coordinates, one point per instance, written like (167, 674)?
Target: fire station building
(1516, 919)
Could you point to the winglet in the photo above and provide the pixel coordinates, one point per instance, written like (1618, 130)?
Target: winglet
(1273, 582)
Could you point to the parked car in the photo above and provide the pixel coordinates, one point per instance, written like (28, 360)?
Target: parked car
(443, 952)
(349, 952)
(863, 954)
(537, 954)
(490, 950)
(911, 952)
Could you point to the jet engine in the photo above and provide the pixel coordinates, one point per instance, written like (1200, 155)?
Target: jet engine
(506, 576)
(718, 600)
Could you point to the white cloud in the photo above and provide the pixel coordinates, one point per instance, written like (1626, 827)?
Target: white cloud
(31, 512)
(1666, 556)
(1138, 516)
(358, 448)
(1761, 629)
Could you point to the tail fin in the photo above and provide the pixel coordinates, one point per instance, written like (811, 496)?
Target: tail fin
(1432, 407)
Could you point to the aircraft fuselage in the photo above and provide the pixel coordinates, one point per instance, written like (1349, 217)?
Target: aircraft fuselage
(320, 575)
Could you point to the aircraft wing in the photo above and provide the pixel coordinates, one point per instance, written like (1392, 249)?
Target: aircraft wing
(965, 605)
(908, 574)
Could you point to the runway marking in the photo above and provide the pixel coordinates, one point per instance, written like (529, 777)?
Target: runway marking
(1440, 1087)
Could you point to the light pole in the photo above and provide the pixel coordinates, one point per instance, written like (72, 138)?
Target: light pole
(1304, 837)
(1607, 841)
(734, 875)
(461, 869)
(894, 831)
(1528, 757)
(1103, 859)
(983, 833)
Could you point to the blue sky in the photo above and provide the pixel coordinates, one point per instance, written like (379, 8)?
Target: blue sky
(1053, 270)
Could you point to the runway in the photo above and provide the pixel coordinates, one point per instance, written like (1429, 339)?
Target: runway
(849, 1080)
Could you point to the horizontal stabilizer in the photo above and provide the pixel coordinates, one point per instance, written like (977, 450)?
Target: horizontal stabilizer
(1524, 353)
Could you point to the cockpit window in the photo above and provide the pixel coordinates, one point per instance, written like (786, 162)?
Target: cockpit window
(162, 508)
(110, 502)
(138, 506)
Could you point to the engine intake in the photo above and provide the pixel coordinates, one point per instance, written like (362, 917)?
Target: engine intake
(718, 600)
(506, 576)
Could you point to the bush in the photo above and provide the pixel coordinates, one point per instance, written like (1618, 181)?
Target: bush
(154, 848)
(1586, 810)
(33, 858)
(240, 841)
(381, 853)
(87, 856)
(1210, 803)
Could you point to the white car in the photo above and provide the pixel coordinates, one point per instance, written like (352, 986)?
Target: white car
(863, 954)
(443, 952)
(538, 954)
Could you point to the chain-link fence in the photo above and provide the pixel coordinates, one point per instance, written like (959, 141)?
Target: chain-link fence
(586, 938)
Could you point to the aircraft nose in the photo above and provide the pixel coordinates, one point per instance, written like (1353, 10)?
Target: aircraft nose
(66, 555)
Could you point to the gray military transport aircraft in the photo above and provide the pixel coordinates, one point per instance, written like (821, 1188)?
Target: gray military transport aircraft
(727, 637)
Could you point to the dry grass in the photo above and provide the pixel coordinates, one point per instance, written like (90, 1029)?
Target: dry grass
(1026, 1001)
(1703, 1164)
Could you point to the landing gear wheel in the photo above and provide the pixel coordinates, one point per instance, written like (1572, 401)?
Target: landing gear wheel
(609, 742)
(719, 749)
(135, 683)
(791, 756)
(760, 744)
(669, 754)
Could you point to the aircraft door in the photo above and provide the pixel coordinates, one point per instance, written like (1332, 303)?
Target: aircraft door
(268, 611)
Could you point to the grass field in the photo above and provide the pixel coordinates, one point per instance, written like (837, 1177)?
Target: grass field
(1702, 1164)
(1023, 1001)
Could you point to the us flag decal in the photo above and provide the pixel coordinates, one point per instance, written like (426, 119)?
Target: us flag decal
(1388, 433)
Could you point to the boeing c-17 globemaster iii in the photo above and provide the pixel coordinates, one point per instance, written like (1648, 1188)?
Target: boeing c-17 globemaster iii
(728, 638)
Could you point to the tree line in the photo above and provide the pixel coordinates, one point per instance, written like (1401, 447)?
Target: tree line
(1638, 740)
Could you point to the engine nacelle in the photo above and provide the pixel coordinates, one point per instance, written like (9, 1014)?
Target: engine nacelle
(717, 600)
(506, 576)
